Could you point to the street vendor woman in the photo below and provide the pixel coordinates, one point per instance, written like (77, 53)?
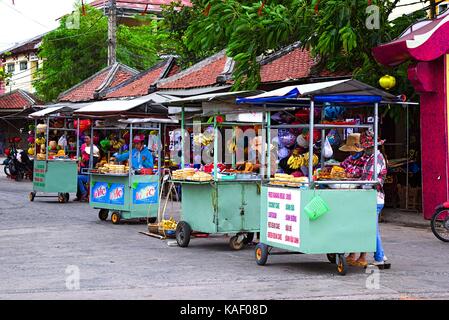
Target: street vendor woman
(367, 174)
(141, 157)
(355, 162)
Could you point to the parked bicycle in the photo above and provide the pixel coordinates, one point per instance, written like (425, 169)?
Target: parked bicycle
(440, 222)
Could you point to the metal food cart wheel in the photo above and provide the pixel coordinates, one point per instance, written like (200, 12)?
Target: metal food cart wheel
(183, 232)
(342, 267)
(261, 254)
(332, 257)
(31, 196)
(115, 217)
(61, 198)
(440, 224)
(103, 214)
(235, 243)
(249, 238)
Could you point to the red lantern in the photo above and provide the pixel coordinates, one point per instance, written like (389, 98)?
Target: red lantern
(7, 152)
(17, 139)
(84, 125)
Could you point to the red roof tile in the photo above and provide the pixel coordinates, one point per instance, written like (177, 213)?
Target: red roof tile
(17, 100)
(140, 5)
(102, 80)
(202, 74)
(295, 64)
(140, 83)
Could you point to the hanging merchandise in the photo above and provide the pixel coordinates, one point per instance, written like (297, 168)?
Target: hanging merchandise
(334, 137)
(62, 142)
(283, 153)
(286, 138)
(333, 112)
(327, 152)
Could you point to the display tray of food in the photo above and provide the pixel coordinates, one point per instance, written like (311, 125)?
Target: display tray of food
(200, 176)
(112, 169)
(334, 173)
(283, 179)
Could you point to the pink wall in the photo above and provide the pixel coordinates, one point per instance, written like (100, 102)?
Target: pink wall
(428, 78)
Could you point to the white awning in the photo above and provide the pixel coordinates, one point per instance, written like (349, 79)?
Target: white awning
(112, 106)
(57, 107)
(46, 111)
(212, 96)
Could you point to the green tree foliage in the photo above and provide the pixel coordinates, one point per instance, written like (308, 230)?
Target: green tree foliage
(73, 54)
(334, 30)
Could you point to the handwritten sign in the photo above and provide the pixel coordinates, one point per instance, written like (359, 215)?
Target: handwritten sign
(283, 216)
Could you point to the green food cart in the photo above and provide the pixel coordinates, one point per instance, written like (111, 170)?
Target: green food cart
(55, 174)
(311, 218)
(227, 204)
(134, 194)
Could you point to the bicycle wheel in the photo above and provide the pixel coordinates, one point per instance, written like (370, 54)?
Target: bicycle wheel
(440, 224)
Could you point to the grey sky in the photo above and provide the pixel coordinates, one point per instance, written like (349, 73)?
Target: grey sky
(29, 18)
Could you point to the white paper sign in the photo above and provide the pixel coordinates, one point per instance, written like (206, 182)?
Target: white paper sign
(283, 216)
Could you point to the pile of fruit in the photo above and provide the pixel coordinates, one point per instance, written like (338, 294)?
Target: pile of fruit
(297, 160)
(203, 139)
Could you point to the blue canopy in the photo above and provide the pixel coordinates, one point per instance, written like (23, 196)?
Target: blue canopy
(339, 91)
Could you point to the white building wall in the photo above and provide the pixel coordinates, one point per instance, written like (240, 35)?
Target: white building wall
(22, 79)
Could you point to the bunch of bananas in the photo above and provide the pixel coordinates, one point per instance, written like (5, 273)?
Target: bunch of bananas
(168, 224)
(314, 161)
(203, 139)
(296, 160)
(232, 146)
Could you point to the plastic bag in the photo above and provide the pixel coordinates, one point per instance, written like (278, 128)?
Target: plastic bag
(328, 152)
(62, 142)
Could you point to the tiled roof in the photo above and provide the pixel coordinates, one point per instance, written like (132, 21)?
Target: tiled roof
(93, 86)
(293, 64)
(139, 84)
(139, 5)
(17, 100)
(26, 46)
(202, 74)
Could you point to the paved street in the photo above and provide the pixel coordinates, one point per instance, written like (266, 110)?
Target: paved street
(39, 240)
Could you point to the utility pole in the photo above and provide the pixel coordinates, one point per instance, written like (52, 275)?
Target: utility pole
(112, 32)
(433, 9)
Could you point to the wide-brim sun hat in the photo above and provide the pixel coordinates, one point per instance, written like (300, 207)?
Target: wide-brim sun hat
(352, 143)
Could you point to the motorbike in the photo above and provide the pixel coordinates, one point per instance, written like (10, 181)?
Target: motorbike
(440, 222)
(17, 165)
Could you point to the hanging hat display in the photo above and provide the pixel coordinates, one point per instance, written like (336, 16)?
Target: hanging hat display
(367, 140)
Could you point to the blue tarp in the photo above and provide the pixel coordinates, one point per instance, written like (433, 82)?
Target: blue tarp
(319, 98)
(347, 98)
